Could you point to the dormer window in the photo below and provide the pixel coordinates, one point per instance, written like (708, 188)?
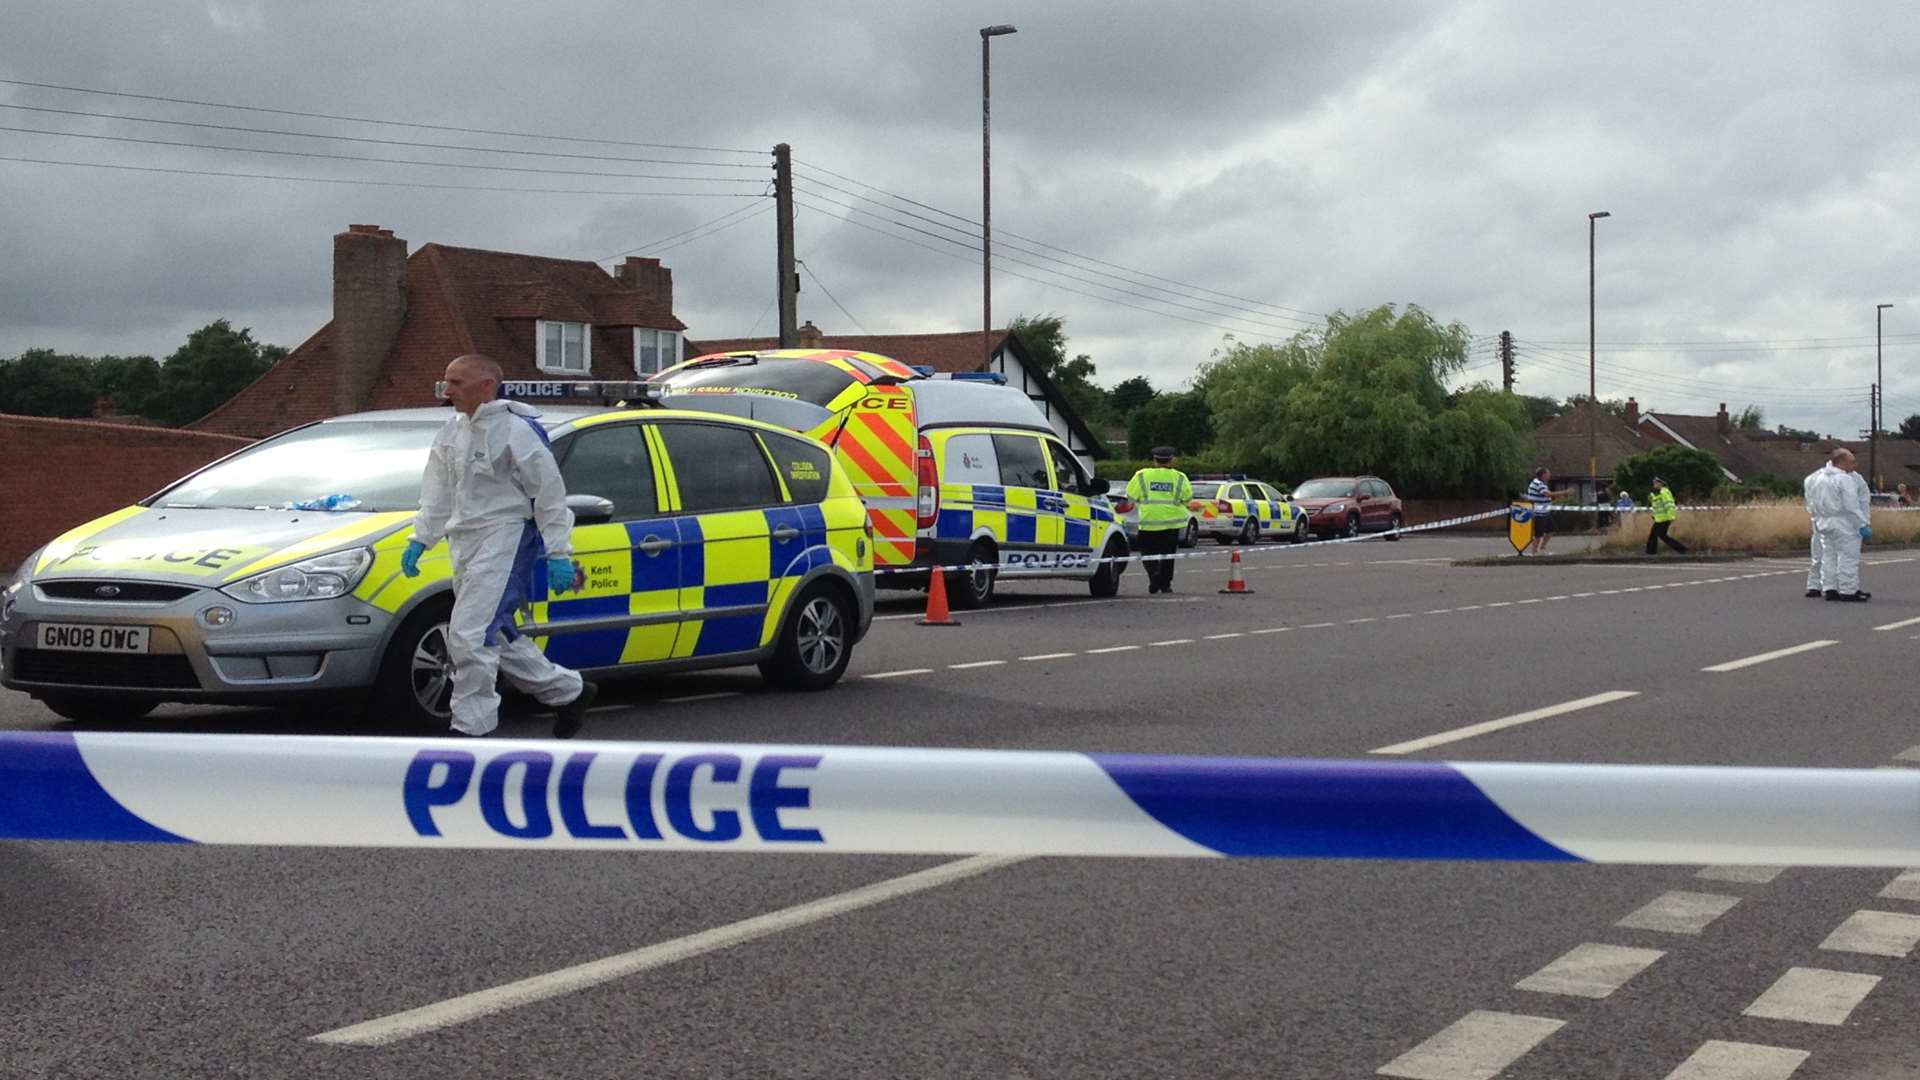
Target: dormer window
(654, 351)
(562, 348)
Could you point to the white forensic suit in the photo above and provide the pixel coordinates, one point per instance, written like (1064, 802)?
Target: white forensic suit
(1813, 561)
(494, 491)
(1840, 504)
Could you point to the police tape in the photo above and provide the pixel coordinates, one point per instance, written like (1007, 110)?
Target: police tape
(335, 791)
(1078, 561)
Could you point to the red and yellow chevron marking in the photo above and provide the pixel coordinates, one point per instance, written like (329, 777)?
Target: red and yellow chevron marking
(876, 446)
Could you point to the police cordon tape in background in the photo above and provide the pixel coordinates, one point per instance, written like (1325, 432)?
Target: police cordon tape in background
(442, 793)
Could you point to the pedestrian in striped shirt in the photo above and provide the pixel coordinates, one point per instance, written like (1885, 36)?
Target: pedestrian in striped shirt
(1541, 494)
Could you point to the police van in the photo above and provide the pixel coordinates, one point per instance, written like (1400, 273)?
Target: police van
(957, 471)
(273, 575)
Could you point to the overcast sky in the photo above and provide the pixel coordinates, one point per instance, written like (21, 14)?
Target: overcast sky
(1274, 160)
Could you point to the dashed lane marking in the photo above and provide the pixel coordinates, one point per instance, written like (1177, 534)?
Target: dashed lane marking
(1875, 933)
(1317, 625)
(1590, 970)
(1911, 753)
(1271, 630)
(459, 1010)
(1745, 875)
(1813, 996)
(975, 664)
(1357, 622)
(1747, 662)
(1402, 615)
(1716, 1060)
(899, 674)
(1478, 1046)
(1223, 637)
(715, 696)
(1901, 625)
(1170, 641)
(1679, 912)
(1049, 656)
(1112, 649)
(1489, 726)
(1439, 611)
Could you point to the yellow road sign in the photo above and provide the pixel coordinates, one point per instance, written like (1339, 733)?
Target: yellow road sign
(1520, 526)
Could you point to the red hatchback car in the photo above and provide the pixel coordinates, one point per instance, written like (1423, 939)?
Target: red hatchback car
(1349, 506)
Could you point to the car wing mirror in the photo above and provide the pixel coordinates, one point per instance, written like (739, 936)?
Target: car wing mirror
(1099, 485)
(590, 509)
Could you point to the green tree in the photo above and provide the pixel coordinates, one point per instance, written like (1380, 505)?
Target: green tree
(1181, 420)
(1809, 436)
(216, 363)
(1541, 409)
(1045, 340)
(41, 382)
(1608, 406)
(1910, 427)
(131, 381)
(1750, 418)
(1129, 394)
(1691, 473)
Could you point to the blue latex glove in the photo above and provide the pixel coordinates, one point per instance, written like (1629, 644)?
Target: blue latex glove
(1866, 532)
(410, 558)
(559, 574)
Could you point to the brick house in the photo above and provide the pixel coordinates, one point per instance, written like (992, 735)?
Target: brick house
(398, 319)
(950, 354)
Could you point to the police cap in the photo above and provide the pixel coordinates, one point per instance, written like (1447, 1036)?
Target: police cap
(1163, 453)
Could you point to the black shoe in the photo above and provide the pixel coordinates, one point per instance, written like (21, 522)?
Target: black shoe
(1855, 597)
(573, 715)
(1813, 594)
(1833, 594)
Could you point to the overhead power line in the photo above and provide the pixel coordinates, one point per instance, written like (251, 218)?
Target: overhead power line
(1737, 345)
(382, 160)
(1537, 350)
(653, 245)
(386, 142)
(547, 136)
(761, 211)
(378, 183)
(836, 303)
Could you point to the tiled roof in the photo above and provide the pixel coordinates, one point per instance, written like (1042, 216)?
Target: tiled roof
(943, 352)
(1563, 443)
(459, 300)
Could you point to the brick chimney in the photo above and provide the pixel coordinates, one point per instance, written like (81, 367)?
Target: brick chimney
(809, 336)
(369, 306)
(1633, 413)
(648, 278)
(1721, 421)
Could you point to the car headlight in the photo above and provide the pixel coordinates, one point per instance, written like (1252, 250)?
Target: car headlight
(319, 578)
(1335, 508)
(18, 584)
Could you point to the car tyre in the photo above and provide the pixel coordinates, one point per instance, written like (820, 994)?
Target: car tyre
(97, 708)
(1250, 533)
(816, 642)
(1394, 525)
(1353, 526)
(973, 587)
(1105, 581)
(414, 689)
(1300, 532)
(1192, 536)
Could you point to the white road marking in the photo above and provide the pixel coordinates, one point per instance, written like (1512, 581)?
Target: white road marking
(1679, 912)
(1049, 656)
(1440, 611)
(1875, 933)
(1901, 625)
(1402, 615)
(1579, 595)
(443, 1014)
(1112, 648)
(1904, 887)
(1223, 637)
(1355, 622)
(1272, 630)
(1504, 722)
(1468, 607)
(1316, 626)
(898, 674)
(1716, 1060)
(1501, 603)
(1813, 996)
(1749, 875)
(1535, 600)
(717, 695)
(1171, 641)
(1911, 753)
(1736, 665)
(975, 664)
(1609, 592)
(1478, 1046)
(1590, 970)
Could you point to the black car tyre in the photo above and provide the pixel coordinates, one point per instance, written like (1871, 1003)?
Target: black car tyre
(1394, 525)
(415, 687)
(97, 708)
(1105, 581)
(1353, 525)
(1300, 533)
(973, 587)
(816, 642)
(1250, 532)
(1191, 536)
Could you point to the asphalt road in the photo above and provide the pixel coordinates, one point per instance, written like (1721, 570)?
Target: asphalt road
(162, 961)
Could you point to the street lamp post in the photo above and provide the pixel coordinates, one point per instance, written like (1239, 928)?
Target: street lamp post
(1593, 397)
(1879, 400)
(987, 34)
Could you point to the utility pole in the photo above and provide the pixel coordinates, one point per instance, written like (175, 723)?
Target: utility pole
(987, 34)
(1593, 395)
(788, 282)
(1879, 401)
(1506, 360)
(1873, 436)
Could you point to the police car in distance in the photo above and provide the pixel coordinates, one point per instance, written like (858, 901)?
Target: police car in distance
(1231, 508)
(273, 575)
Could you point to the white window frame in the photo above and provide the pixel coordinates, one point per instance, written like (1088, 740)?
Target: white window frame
(556, 365)
(667, 341)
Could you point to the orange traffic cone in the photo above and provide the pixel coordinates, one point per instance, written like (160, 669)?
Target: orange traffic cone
(1236, 585)
(937, 613)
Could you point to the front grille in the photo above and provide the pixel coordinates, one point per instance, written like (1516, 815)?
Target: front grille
(130, 592)
(151, 672)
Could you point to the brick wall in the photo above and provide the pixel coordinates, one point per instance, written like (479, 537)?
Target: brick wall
(60, 473)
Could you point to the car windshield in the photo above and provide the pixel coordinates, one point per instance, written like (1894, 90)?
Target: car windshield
(373, 466)
(1324, 489)
(1204, 490)
(808, 380)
